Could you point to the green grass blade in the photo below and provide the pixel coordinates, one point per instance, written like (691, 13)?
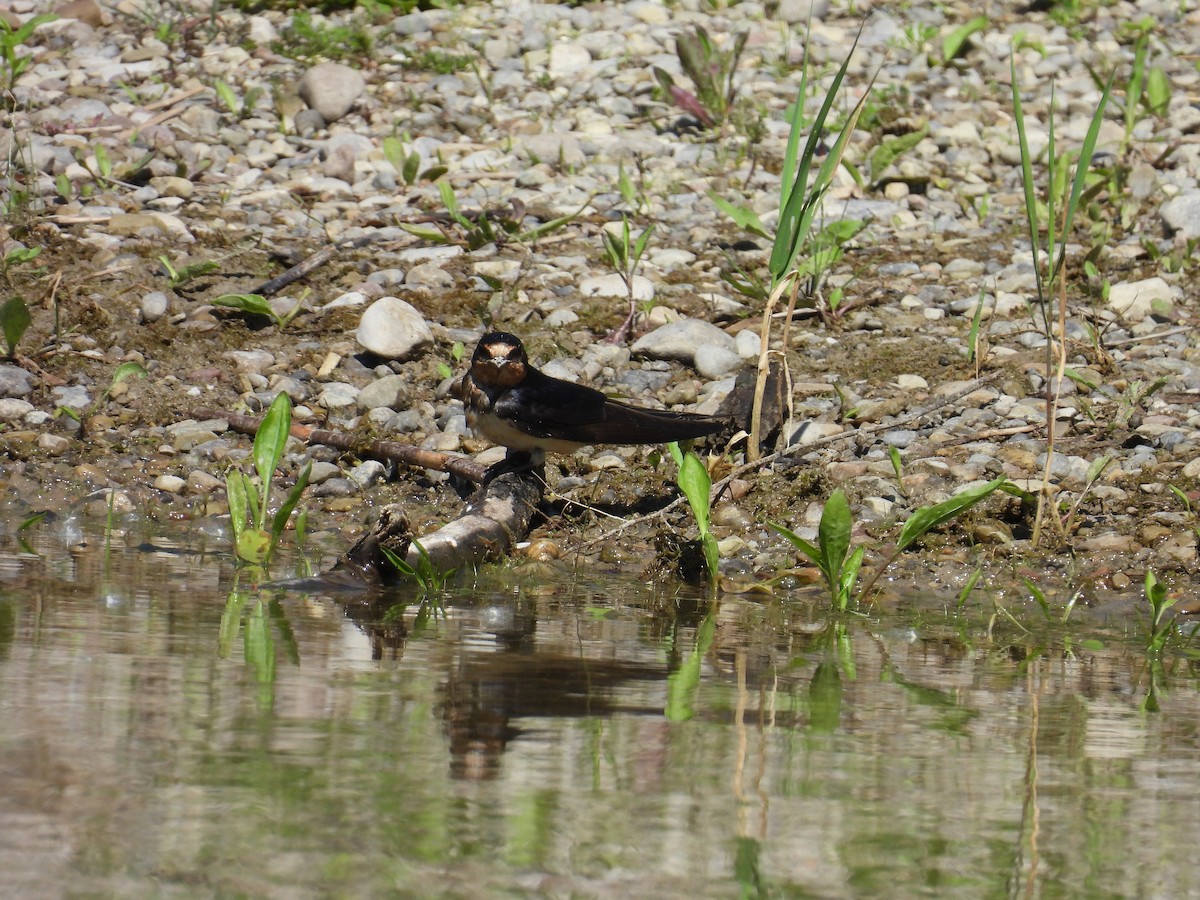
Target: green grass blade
(808, 549)
(1083, 166)
(789, 235)
(280, 520)
(1031, 213)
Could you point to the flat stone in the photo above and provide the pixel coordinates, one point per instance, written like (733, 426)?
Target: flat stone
(15, 382)
(1133, 300)
(681, 339)
(390, 390)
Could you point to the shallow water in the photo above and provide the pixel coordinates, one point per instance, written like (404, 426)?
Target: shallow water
(581, 736)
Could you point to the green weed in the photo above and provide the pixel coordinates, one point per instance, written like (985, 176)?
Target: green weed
(624, 253)
(256, 534)
(13, 63)
(840, 567)
(711, 70)
(179, 277)
(255, 305)
(1060, 208)
(429, 578)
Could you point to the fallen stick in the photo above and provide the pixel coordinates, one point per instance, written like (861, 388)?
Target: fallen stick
(318, 259)
(387, 450)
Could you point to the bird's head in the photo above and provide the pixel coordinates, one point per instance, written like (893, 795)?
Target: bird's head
(499, 360)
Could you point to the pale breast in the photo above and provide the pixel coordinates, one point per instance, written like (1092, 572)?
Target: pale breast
(492, 428)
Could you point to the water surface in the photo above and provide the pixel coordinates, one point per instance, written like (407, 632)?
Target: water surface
(580, 735)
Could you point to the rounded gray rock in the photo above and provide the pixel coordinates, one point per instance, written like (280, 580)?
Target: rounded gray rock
(331, 89)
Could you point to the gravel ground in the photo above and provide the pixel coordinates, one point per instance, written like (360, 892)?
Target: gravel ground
(145, 131)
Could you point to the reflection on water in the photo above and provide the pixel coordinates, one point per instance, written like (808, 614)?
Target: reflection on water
(167, 735)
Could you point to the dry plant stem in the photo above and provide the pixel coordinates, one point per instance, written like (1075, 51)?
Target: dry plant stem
(753, 450)
(765, 461)
(1056, 361)
(389, 450)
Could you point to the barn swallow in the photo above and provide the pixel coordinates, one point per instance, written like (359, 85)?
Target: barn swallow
(510, 403)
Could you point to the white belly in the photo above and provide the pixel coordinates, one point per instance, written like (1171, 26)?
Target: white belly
(492, 428)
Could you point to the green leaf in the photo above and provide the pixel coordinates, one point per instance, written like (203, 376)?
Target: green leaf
(271, 438)
(1158, 91)
(254, 546)
(14, 322)
(226, 95)
(425, 233)
(280, 520)
(393, 152)
(968, 587)
(255, 304)
(848, 577)
(1083, 166)
(128, 370)
(808, 549)
(412, 166)
(891, 148)
(236, 497)
(928, 517)
(103, 163)
(953, 43)
(833, 535)
(743, 216)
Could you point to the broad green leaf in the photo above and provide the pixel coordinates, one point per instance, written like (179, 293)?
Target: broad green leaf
(253, 545)
(833, 535)
(128, 370)
(808, 549)
(1158, 91)
(743, 216)
(227, 96)
(928, 517)
(236, 497)
(848, 577)
(393, 152)
(412, 166)
(271, 438)
(249, 303)
(953, 43)
(14, 322)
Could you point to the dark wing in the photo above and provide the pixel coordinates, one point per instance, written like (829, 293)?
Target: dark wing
(549, 408)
